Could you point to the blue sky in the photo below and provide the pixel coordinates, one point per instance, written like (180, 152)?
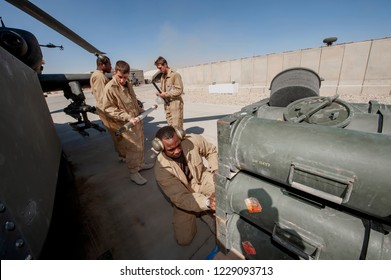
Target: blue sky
(192, 32)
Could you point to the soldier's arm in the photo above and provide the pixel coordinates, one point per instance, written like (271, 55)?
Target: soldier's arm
(179, 194)
(111, 108)
(177, 86)
(207, 150)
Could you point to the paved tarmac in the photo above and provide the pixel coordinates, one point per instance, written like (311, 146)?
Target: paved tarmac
(119, 219)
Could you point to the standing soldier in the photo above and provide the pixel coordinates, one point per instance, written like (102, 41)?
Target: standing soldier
(120, 104)
(98, 81)
(172, 90)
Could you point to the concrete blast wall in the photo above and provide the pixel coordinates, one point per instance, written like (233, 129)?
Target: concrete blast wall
(358, 72)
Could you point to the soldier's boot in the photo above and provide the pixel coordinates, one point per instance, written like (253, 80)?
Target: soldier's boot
(145, 166)
(137, 178)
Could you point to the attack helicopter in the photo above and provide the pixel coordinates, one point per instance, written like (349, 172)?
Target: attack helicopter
(33, 167)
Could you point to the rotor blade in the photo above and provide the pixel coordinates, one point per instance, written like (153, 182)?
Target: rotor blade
(48, 20)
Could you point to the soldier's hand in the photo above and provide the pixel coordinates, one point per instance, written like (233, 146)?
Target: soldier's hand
(163, 94)
(135, 120)
(212, 200)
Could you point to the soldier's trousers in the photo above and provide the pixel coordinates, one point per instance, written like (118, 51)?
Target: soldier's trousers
(174, 113)
(132, 143)
(184, 222)
(106, 122)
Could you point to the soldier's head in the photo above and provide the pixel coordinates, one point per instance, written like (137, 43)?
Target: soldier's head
(103, 63)
(162, 65)
(121, 72)
(168, 139)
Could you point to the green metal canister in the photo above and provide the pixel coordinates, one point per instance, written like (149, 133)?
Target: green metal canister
(300, 226)
(346, 167)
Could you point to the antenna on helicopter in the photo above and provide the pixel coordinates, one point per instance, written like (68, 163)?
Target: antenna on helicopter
(2, 23)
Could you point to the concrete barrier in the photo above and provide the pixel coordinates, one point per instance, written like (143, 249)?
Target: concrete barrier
(357, 71)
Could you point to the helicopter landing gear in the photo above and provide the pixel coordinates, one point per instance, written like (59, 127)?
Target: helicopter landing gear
(78, 109)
